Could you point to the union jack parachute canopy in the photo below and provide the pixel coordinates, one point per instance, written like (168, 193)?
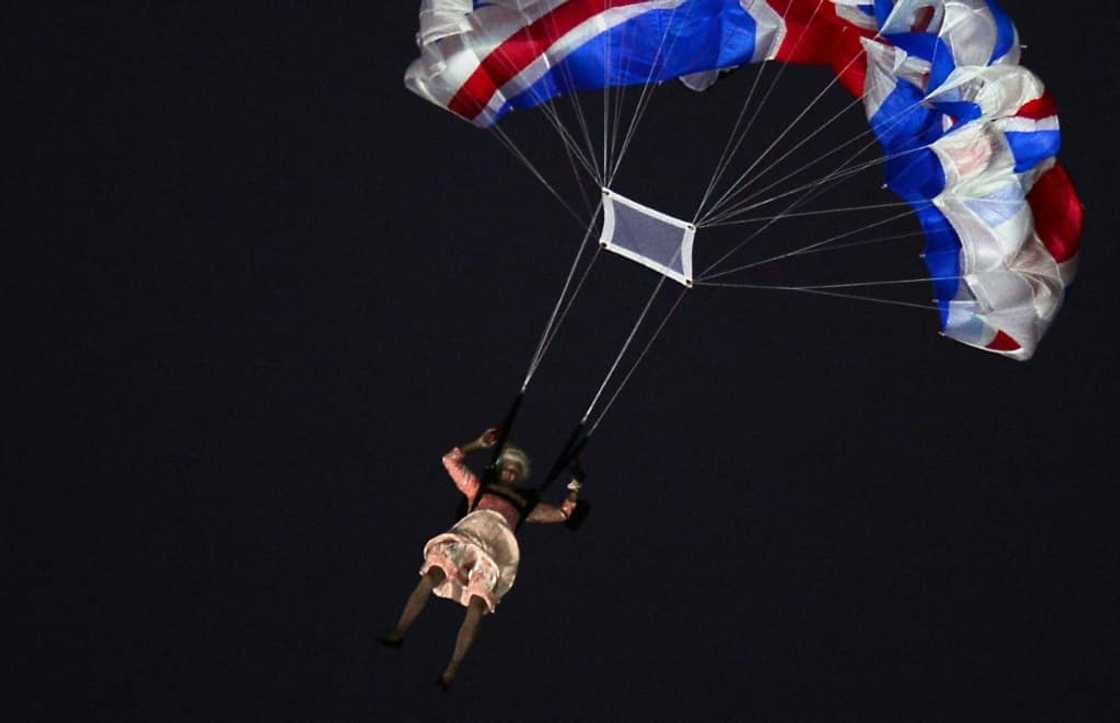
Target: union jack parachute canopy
(969, 135)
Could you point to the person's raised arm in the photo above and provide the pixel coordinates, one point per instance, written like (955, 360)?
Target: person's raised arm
(466, 480)
(544, 512)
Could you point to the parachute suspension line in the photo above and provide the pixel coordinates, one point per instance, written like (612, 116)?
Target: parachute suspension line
(803, 250)
(620, 90)
(821, 246)
(620, 103)
(587, 156)
(577, 106)
(739, 205)
(837, 176)
(551, 113)
(542, 344)
(587, 153)
(911, 208)
(548, 108)
(784, 156)
(822, 249)
(501, 135)
(824, 183)
(830, 181)
(805, 198)
(728, 153)
(895, 120)
(725, 158)
(738, 186)
(622, 352)
(568, 306)
(643, 99)
(585, 131)
(840, 173)
(646, 95)
(865, 242)
(821, 212)
(831, 294)
(848, 284)
(639, 110)
(607, 87)
(570, 151)
(638, 361)
(578, 109)
(581, 435)
(758, 111)
(571, 147)
(579, 180)
(552, 116)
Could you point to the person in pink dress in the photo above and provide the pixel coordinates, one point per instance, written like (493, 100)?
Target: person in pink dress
(475, 562)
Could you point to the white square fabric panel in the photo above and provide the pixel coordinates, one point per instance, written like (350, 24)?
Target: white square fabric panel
(651, 238)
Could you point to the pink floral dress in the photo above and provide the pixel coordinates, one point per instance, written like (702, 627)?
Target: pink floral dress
(479, 555)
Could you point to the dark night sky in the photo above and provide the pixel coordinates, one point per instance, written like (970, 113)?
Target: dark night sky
(277, 287)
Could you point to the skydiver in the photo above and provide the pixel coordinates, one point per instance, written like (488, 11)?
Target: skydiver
(475, 562)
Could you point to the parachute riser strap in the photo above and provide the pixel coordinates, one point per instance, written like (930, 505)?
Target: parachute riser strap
(577, 440)
(581, 436)
(491, 471)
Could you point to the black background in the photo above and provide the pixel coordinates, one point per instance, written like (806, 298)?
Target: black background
(278, 286)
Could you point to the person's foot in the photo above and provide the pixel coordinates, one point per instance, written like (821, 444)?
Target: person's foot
(445, 680)
(391, 640)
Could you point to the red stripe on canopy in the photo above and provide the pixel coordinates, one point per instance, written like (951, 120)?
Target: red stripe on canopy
(1003, 342)
(816, 35)
(1039, 108)
(519, 50)
(1058, 216)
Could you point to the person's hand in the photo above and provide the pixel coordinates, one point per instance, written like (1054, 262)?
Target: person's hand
(482, 441)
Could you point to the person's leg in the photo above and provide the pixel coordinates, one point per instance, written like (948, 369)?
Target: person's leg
(414, 606)
(468, 631)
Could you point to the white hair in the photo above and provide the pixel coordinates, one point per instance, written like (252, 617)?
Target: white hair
(517, 456)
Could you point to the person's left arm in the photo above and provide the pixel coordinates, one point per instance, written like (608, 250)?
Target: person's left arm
(544, 512)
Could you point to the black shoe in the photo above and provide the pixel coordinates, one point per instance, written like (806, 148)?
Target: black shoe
(444, 683)
(389, 641)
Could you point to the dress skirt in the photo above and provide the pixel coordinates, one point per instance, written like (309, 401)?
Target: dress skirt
(479, 557)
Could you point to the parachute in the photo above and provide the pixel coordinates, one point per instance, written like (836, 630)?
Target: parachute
(969, 136)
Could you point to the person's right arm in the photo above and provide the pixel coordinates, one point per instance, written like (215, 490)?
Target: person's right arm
(466, 480)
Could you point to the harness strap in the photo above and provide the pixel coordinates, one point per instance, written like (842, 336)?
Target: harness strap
(577, 440)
